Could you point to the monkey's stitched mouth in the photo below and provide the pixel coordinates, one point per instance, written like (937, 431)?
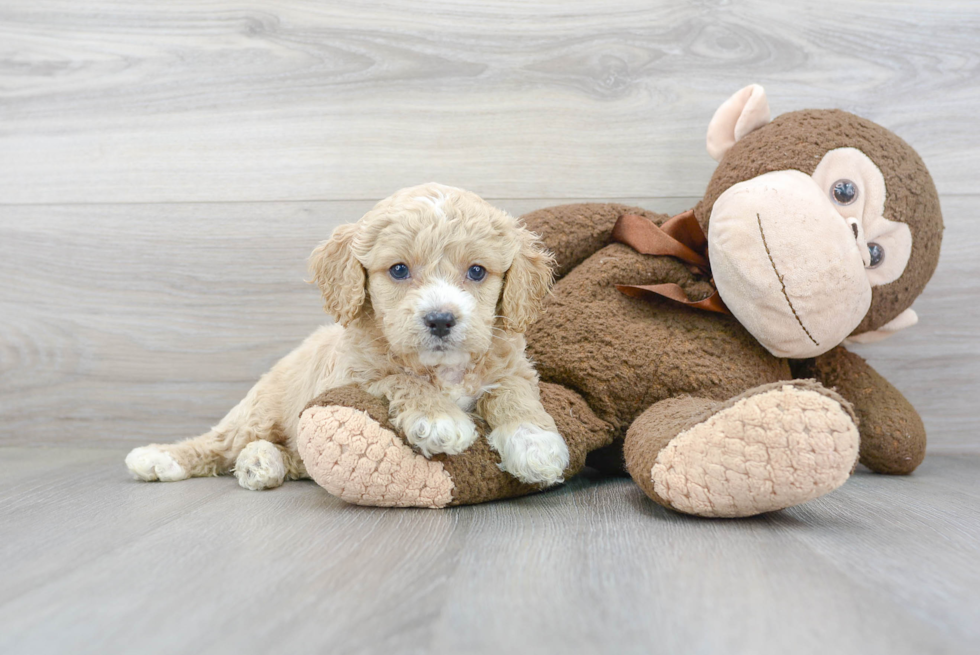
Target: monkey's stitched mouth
(782, 284)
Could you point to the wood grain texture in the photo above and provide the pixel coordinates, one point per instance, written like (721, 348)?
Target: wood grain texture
(210, 100)
(95, 563)
(165, 169)
(135, 323)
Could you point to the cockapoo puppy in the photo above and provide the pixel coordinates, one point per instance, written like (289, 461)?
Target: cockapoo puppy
(432, 291)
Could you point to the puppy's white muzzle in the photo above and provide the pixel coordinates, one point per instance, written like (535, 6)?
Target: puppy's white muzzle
(437, 301)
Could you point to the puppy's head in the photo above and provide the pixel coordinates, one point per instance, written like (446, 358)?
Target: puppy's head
(438, 270)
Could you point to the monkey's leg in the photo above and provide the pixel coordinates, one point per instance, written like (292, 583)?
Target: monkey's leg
(772, 447)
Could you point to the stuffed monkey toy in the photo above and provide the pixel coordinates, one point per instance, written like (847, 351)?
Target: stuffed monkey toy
(704, 352)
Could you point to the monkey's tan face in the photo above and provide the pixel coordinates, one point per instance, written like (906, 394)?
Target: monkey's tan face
(795, 256)
(434, 285)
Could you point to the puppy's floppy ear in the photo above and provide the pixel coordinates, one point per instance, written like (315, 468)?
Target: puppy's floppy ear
(526, 283)
(339, 275)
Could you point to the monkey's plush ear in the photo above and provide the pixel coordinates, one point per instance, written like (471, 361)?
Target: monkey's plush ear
(744, 112)
(339, 275)
(906, 319)
(526, 283)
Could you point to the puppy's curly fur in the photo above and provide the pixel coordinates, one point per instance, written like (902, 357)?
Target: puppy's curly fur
(426, 251)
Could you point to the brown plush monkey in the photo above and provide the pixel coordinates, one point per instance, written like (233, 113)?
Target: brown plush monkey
(821, 228)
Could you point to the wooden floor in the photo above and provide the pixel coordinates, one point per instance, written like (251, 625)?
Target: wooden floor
(92, 562)
(166, 167)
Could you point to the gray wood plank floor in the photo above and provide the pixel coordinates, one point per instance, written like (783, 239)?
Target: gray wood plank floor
(166, 167)
(92, 562)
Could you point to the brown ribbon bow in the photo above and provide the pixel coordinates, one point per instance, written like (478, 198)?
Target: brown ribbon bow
(680, 236)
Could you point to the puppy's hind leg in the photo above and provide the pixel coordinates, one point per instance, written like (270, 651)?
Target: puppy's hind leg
(201, 456)
(212, 453)
(269, 412)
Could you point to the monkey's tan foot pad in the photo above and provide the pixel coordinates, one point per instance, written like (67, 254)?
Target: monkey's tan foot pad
(778, 448)
(356, 459)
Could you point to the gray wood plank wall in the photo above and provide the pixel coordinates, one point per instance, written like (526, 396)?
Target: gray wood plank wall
(166, 167)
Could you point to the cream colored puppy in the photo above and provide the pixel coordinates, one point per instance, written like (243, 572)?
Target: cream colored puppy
(432, 291)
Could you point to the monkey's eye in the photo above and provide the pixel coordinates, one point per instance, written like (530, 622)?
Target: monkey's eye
(476, 273)
(877, 254)
(844, 192)
(399, 271)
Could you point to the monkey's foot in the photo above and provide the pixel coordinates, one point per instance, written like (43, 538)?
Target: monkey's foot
(772, 448)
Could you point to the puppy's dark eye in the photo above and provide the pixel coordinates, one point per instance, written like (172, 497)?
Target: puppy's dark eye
(877, 254)
(399, 271)
(476, 273)
(844, 192)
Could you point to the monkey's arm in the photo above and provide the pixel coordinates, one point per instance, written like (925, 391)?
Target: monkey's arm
(893, 438)
(352, 449)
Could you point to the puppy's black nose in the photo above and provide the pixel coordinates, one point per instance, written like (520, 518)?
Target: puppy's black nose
(439, 323)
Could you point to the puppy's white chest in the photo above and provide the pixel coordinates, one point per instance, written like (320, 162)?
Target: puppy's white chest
(458, 386)
(465, 402)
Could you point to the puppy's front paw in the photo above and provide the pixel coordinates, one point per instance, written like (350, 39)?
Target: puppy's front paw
(439, 434)
(149, 463)
(531, 454)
